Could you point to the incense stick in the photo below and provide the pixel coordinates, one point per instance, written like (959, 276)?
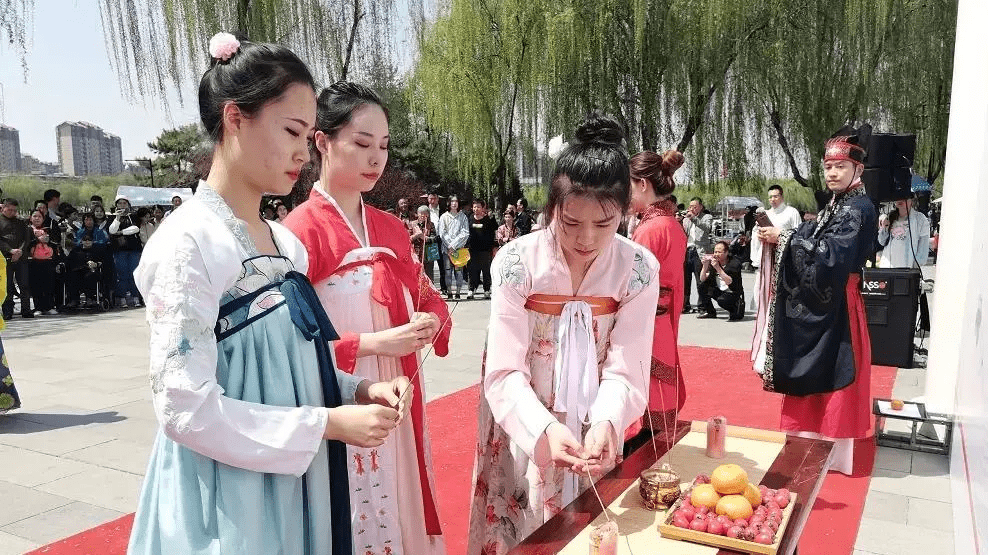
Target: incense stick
(602, 506)
(651, 425)
(411, 381)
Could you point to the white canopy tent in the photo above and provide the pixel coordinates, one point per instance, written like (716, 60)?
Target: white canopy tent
(147, 196)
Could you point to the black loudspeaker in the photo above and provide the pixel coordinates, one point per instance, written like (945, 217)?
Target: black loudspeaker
(886, 175)
(891, 298)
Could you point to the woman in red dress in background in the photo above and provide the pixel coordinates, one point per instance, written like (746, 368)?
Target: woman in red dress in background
(660, 232)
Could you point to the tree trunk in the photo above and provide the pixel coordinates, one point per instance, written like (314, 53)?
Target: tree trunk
(695, 119)
(243, 18)
(357, 16)
(784, 143)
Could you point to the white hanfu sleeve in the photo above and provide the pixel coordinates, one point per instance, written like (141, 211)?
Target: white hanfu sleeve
(507, 382)
(623, 392)
(182, 306)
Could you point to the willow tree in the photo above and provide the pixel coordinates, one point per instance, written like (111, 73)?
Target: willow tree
(607, 55)
(155, 45)
(477, 64)
(818, 67)
(15, 22)
(914, 86)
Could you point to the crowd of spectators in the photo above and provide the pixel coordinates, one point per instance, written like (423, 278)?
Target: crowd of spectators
(439, 236)
(62, 258)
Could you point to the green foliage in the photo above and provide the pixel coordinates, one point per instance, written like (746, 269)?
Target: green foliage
(76, 191)
(179, 153)
(15, 24)
(723, 80)
(477, 66)
(156, 44)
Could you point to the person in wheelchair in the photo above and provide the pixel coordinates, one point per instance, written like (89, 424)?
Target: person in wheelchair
(86, 262)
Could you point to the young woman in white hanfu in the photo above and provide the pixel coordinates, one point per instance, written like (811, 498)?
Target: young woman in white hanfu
(241, 368)
(568, 347)
(386, 309)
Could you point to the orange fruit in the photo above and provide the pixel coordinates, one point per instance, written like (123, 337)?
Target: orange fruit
(704, 495)
(734, 506)
(729, 479)
(753, 495)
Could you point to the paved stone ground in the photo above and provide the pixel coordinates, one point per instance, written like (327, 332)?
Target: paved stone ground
(74, 456)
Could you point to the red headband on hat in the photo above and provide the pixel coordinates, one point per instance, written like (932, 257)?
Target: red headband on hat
(840, 148)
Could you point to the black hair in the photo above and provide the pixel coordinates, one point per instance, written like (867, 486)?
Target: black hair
(11, 201)
(673, 199)
(96, 198)
(336, 106)
(698, 199)
(480, 202)
(50, 194)
(523, 202)
(254, 75)
(39, 201)
(777, 188)
(594, 166)
(66, 209)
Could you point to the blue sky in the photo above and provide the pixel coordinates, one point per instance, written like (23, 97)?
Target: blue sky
(70, 78)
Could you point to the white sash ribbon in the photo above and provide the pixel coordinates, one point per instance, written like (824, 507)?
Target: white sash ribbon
(576, 376)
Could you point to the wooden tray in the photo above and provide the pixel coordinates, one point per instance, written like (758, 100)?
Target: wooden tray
(669, 531)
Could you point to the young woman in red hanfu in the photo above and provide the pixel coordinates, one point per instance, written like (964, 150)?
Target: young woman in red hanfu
(663, 235)
(386, 310)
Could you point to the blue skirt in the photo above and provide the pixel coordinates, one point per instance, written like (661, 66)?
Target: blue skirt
(191, 504)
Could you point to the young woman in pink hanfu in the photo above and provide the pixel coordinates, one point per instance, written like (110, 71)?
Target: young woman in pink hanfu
(568, 347)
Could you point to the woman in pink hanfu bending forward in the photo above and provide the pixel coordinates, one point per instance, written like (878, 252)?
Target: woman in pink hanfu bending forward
(568, 347)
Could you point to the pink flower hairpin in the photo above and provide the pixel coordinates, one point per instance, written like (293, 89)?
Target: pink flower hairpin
(223, 46)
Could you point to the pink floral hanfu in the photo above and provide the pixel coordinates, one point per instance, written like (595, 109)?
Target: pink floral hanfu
(584, 364)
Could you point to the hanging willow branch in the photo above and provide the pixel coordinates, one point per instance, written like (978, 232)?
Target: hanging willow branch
(15, 24)
(157, 45)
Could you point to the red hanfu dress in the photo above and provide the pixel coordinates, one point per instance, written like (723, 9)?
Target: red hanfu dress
(369, 284)
(660, 233)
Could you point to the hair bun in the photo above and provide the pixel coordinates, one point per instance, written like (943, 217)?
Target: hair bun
(600, 130)
(672, 160)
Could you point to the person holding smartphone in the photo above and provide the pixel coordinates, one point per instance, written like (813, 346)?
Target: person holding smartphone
(720, 280)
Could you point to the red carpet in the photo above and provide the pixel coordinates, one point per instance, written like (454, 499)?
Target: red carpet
(718, 382)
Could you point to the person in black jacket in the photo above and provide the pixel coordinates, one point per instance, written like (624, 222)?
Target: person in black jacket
(720, 280)
(483, 239)
(125, 243)
(13, 244)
